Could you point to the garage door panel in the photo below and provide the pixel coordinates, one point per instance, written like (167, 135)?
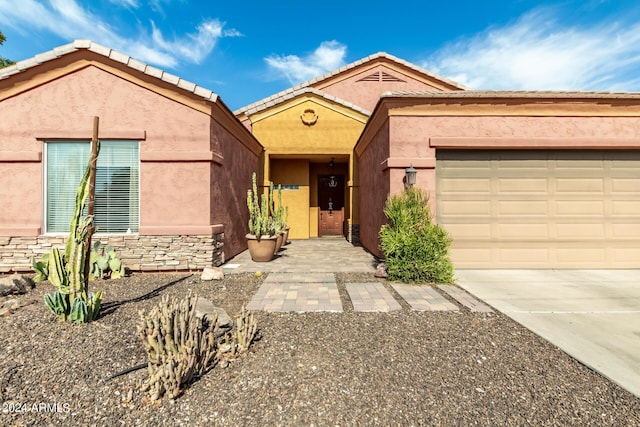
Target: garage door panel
(628, 231)
(579, 185)
(583, 256)
(626, 185)
(523, 207)
(472, 231)
(541, 209)
(626, 207)
(580, 208)
(522, 231)
(573, 231)
(514, 256)
(462, 185)
(523, 185)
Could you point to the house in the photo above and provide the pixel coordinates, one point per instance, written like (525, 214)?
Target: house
(309, 133)
(173, 167)
(519, 179)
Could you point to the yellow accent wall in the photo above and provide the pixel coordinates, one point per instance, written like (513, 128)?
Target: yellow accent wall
(331, 130)
(294, 173)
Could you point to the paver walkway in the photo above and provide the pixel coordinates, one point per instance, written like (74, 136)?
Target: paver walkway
(423, 298)
(297, 292)
(301, 279)
(371, 296)
(322, 255)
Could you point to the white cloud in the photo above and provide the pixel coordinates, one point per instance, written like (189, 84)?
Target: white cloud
(69, 20)
(126, 3)
(194, 47)
(537, 53)
(327, 57)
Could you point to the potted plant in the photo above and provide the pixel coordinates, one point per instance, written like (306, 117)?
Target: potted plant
(261, 239)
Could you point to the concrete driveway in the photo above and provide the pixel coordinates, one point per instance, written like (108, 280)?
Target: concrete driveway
(593, 315)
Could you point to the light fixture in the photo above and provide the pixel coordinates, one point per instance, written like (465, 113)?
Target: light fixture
(410, 176)
(331, 163)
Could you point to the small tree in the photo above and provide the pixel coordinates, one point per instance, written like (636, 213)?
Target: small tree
(415, 248)
(4, 62)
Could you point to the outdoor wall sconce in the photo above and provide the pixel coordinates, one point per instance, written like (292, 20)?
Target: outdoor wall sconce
(410, 176)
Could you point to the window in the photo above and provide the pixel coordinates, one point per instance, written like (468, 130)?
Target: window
(116, 206)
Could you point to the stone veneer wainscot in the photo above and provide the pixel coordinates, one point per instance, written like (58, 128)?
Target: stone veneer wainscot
(138, 253)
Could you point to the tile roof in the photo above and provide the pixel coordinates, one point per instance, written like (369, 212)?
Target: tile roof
(540, 94)
(346, 68)
(113, 55)
(286, 95)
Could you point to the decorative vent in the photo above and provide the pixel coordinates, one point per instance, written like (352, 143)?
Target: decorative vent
(381, 76)
(375, 77)
(389, 78)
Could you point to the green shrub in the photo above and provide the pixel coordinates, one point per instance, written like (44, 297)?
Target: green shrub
(415, 248)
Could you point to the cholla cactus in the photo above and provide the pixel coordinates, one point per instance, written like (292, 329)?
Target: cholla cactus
(239, 340)
(179, 345)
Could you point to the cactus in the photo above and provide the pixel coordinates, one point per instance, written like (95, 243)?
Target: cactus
(71, 300)
(277, 213)
(239, 340)
(104, 263)
(58, 305)
(41, 268)
(179, 345)
(246, 329)
(260, 222)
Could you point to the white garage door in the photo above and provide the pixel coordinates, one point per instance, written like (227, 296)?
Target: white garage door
(539, 208)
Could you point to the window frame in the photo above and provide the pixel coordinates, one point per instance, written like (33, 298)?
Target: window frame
(45, 189)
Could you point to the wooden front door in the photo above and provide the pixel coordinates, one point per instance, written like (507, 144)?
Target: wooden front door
(331, 203)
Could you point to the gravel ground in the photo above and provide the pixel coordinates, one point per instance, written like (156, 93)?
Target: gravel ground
(404, 368)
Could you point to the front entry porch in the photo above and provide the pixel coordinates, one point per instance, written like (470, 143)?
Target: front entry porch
(318, 191)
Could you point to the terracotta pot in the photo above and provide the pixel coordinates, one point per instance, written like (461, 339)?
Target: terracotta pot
(279, 242)
(261, 250)
(285, 238)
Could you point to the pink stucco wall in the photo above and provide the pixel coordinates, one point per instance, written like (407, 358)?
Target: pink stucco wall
(192, 168)
(230, 182)
(65, 107)
(375, 186)
(366, 94)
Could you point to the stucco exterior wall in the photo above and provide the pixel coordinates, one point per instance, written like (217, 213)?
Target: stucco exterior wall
(367, 93)
(230, 181)
(194, 172)
(374, 188)
(294, 172)
(283, 132)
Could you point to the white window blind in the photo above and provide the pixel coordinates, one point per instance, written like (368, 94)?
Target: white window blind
(117, 184)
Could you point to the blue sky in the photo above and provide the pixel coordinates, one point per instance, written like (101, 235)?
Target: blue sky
(247, 50)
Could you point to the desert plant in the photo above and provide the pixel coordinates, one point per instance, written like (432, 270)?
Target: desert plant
(415, 248)
(104, 263)
(260, 222)
(71, 300)
(278, 213)
(239, 340)
(179, 345)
